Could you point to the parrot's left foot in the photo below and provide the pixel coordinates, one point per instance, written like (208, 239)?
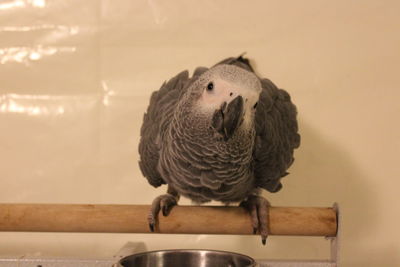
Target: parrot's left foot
(165, 203)
(258, 207)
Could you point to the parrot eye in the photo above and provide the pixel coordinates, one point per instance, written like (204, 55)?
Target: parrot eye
(210, 86)
(255, 105)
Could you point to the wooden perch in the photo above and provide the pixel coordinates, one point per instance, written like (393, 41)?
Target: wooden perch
(182, 220)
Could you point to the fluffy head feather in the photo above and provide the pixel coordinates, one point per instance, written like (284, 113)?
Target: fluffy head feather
(220, 85)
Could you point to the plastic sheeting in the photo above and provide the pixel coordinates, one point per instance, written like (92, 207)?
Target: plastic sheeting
(76, 76)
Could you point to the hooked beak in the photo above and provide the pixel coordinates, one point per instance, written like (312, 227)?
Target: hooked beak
(229, 117)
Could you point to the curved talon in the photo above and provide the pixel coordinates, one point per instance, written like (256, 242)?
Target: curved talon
(164, 211)
(151, 226)
(258, 207)
(165, 203)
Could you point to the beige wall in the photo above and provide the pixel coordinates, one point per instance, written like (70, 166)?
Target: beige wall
(75, 79)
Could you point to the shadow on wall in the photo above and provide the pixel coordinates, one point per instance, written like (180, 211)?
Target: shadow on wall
(323, 170)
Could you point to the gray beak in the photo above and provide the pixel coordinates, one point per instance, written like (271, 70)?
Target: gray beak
(228, 118)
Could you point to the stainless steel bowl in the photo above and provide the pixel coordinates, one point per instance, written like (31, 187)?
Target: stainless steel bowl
(187, 258)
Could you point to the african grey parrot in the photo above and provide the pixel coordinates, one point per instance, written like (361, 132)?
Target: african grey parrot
(222, 134)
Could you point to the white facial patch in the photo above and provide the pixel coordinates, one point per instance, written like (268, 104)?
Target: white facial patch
(222, 91)
(227, 82)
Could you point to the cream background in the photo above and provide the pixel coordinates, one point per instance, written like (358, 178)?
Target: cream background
(75, 79)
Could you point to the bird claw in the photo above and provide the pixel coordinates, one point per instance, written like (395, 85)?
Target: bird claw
(258, 207)
(164, 211)
(167, 205)
(151, 226)
(264, 240)
(163, 203)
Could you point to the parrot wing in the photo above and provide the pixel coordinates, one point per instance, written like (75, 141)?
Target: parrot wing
(155, 122)
(276, 136)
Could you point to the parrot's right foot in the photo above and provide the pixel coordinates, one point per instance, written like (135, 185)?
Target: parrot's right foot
(258, 207)
(165, 203)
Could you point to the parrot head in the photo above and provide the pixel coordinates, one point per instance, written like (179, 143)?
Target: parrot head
(229, 96)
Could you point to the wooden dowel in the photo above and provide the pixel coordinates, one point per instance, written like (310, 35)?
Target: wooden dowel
(182, 220)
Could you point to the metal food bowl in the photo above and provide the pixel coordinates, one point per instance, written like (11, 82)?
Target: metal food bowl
(187, 258)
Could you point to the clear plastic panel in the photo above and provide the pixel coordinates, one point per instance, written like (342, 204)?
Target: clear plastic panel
(75, 80)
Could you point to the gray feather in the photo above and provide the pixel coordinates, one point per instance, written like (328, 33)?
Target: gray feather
(277, 136)
(163, 102)
(186, 150)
